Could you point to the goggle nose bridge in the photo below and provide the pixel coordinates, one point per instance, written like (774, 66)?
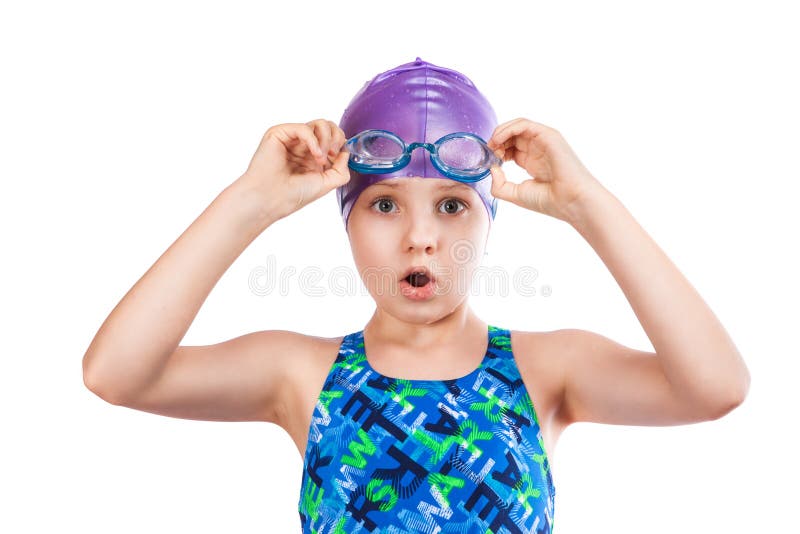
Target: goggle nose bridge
(427, 146)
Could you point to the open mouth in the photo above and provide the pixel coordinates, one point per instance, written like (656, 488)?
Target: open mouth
(418, 276)
(417, 279)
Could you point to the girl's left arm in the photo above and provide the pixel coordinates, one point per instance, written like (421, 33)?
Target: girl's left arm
(696, 372)
(698, 357)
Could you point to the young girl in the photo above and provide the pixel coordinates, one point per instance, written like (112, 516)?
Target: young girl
(422, 421)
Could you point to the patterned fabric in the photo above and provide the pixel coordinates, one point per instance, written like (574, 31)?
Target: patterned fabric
(435, 456)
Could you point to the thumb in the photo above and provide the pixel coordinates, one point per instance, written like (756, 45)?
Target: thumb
(502, 188)
(339, 173)
(525, 195)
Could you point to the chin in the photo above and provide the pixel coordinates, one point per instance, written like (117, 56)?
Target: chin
(422, 312)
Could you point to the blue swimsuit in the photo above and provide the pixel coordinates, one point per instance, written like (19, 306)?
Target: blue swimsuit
(435, 456)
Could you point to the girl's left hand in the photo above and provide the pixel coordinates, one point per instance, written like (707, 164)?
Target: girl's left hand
(559, 180)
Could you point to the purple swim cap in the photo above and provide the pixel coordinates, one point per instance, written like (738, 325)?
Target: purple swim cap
(420, 102)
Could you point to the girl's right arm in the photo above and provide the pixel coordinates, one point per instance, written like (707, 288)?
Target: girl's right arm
(135, 357)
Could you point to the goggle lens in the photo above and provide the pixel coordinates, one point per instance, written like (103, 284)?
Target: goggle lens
(379, 147)
(463, 153)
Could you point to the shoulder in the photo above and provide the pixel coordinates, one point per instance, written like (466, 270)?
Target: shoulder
(307, 344)
(300, 353)
(551, 348)
(538, 349)
(285, 355)
(287, 348)
(543, 359)
(296, 345)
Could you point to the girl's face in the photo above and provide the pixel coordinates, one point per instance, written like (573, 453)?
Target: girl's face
(400, 223)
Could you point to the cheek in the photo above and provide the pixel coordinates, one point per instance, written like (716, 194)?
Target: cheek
(366, 257)
(467, 246)
(371, 253)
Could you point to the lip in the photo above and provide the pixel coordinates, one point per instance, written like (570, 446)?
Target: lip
(417, 293)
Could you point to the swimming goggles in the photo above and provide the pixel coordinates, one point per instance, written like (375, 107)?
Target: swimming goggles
(462, 156)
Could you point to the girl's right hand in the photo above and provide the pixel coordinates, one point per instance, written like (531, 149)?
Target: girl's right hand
(296, 164)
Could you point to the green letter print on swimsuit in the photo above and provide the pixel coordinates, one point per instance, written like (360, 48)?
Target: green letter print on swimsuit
(436, 456)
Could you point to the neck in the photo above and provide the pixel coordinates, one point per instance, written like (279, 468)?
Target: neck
(389, 330)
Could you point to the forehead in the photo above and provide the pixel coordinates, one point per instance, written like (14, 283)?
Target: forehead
(418, 183)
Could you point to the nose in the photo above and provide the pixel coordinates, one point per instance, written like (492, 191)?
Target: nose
(421, 234)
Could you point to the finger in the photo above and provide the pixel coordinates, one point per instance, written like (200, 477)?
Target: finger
(331, 159)
(509, 152)
(518, 126)
(498, 151)
(295, 136)
(504, 125)
(339, 173)
(322, 131)
(494, 140)
(506, 151)
(326, 134)
(505, 137)
(339, 139)
(305, 133)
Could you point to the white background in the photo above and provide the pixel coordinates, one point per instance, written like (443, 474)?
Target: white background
(120, 122)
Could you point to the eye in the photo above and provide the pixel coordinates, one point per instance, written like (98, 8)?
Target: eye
(382, 202)
(451, 205)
